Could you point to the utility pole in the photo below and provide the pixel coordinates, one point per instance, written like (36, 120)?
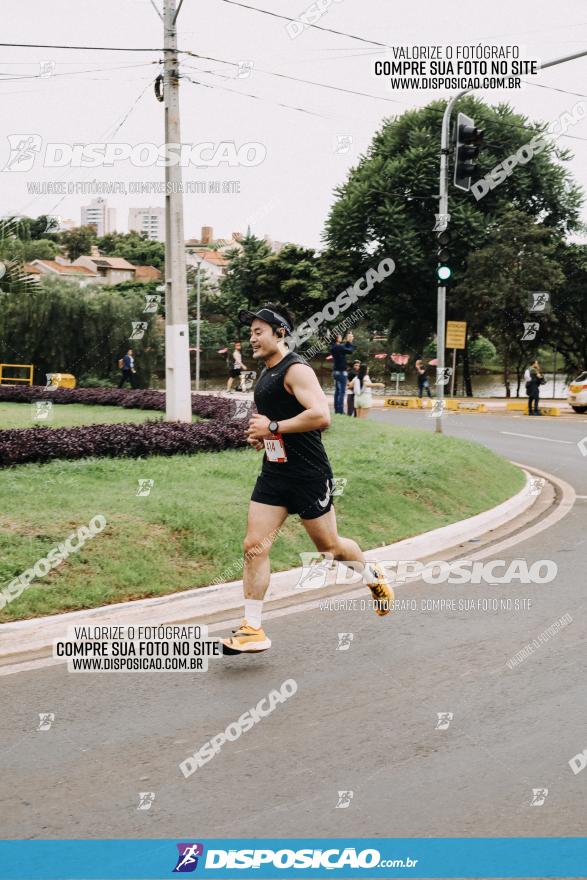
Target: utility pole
(178, 392)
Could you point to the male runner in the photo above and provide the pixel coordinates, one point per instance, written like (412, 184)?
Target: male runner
(296, 476)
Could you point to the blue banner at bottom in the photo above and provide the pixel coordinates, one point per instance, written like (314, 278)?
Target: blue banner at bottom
(292, 857)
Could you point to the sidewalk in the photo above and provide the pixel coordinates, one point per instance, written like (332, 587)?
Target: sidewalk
(491, 404)
(26, 644)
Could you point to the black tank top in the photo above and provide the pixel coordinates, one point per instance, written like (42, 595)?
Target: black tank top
(306, 456)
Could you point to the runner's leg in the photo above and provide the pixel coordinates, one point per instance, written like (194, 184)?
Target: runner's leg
(324, 533)
(263, 523)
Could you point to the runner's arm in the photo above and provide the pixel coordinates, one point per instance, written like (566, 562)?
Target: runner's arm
(301, 381)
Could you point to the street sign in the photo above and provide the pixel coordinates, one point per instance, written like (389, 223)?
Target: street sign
(456, 334)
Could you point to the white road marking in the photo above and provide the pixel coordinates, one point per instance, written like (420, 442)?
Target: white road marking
(537, 437)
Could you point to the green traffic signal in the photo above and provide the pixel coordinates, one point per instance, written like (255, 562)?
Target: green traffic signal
(443, 273)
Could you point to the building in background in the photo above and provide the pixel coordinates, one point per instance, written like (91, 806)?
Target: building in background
(148, 220)
(98, 214)
(59, 268)
(213, 263)
(208, 242)
(109, 270)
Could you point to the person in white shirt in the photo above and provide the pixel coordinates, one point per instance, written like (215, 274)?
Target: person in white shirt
(236, 367)
(362, 386)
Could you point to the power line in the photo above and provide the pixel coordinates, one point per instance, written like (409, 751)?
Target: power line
(87, 48)
(256, 97)
(553, 89)
(294, 78)
(315, 26)
(8, 78)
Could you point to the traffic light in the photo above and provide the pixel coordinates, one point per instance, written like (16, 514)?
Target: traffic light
(443, 271)
(468, 143)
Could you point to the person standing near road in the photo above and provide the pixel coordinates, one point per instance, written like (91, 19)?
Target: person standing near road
(128, 372)
(296, 476)
(422, 378)
(362, 385)
(236, 367)
(350, 399)
(339, 351)
(534, 379)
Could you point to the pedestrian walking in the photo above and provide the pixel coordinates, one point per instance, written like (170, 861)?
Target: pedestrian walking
(362, 386)
(236, 368)
(339, 351)
(128, 372)
(534, 379)
(296, 475)
(422, 378)
(350, 398)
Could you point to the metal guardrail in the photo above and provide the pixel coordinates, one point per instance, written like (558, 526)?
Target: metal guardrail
(9, 379)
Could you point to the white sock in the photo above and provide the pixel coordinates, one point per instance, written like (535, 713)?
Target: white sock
(369, 573)
(253, 610)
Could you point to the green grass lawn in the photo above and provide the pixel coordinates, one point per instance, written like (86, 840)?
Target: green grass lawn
(68, 415)
(189, 530)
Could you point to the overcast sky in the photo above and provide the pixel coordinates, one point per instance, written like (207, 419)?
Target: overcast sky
(289, 194)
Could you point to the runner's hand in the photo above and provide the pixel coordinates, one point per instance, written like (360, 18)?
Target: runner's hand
(256, 444)
(259, 428)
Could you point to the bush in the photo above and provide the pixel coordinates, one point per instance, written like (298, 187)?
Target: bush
(40, 444)
(18, 446)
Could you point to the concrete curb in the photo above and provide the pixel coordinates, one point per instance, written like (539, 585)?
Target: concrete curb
(30, 640)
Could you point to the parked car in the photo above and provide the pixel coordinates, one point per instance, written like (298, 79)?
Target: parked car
(577, 393)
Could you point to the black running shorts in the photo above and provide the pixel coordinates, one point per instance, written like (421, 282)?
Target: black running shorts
(309, 498)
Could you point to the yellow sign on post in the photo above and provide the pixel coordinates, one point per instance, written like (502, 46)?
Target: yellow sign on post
(456, 334)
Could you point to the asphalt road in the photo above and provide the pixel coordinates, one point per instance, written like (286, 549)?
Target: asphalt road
(362, 720)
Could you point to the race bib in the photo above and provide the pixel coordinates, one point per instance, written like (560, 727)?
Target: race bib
(275, 449)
